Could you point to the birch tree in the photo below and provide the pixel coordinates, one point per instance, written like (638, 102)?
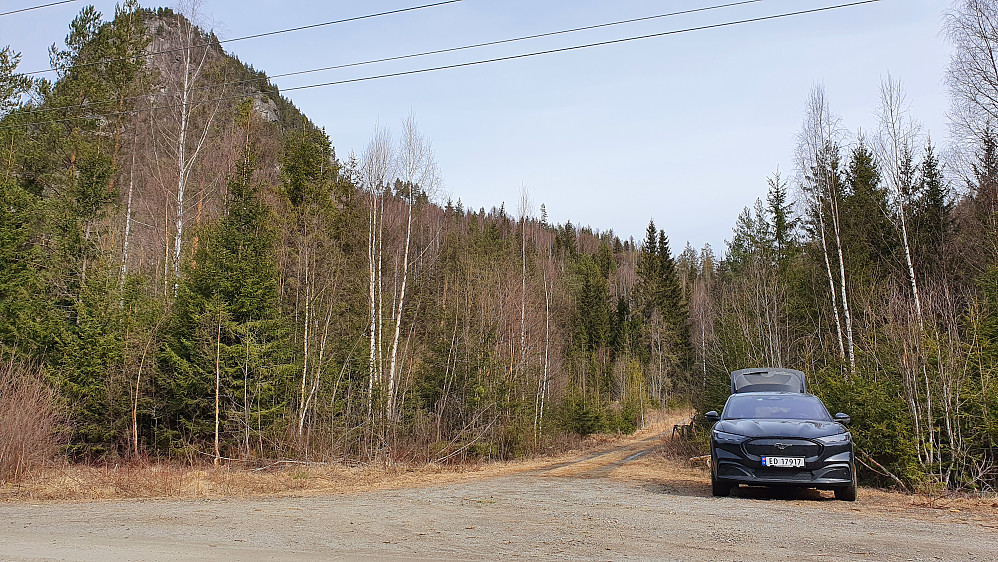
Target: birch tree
(972, 28)
(817, 164)
(191, 108)
(417, 173)
(896, 146)
(897, 143)
(377, 171)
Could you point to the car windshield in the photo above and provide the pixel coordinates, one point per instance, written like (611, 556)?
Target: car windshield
(775, 407)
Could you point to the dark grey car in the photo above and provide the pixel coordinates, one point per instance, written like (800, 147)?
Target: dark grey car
(781, 439)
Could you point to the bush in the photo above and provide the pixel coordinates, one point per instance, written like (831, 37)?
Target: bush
(881, 424)
(29, 421)
(578, 416)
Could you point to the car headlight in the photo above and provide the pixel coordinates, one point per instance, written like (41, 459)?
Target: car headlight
(837, 439)
(728, 438)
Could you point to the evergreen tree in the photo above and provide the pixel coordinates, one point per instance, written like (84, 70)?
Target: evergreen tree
(227, 325)
(12, 85)
(648, 266)
(868, 236)
(932, 218)
(27, 319)
(782, 220)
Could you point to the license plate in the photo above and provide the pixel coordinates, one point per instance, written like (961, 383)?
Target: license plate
(783, 462)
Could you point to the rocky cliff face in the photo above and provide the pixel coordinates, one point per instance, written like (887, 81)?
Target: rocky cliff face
(178, 48)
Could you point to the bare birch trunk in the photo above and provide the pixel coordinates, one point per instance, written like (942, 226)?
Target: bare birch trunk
(392, 383)
(372, 231)
(842, 285)
(194, 57)
(817, 142)
(896, 152)
(218, 382)
(308, 319)
(128, 232)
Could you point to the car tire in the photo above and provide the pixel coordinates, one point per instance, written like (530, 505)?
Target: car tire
(719, 489)
(847, 493)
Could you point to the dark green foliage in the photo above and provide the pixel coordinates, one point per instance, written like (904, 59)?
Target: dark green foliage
(869, 239)
(227, 324)
(12, 84)
(931, 217)
(881, 426)
(27, 319)
(783, 223)
(593, 321)
(578, 416)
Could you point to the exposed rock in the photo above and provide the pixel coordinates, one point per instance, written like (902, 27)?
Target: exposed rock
(265, 108)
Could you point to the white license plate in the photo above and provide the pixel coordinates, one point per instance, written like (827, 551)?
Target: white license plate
(783, 462)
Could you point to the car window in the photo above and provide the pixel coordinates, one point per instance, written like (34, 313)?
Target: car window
(777, 407)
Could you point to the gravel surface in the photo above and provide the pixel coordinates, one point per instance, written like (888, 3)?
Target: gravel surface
(624, 503)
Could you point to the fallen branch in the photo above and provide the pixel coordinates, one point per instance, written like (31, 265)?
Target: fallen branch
(882, 471)
(473, 441)
(305, 463)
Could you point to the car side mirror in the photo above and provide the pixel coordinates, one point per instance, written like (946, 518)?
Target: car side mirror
(712, 416)
(843, 419)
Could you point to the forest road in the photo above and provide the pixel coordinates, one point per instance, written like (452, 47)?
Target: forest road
(623, 501)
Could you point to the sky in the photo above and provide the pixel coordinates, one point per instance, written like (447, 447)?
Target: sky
(682, 129)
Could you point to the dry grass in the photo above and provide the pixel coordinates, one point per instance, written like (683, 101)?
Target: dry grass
(76, 482)
(28, 421)
(649, 457)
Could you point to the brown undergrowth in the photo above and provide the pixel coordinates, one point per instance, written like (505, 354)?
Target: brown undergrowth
(29, 421)
(650, 457)
(147, 480)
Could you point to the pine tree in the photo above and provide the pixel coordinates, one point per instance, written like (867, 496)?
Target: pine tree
(12, 84)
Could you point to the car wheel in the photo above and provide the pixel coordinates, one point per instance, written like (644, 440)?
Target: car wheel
(719, 489)
(847, 493)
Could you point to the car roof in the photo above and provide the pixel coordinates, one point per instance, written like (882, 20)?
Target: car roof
(775, 393)
(767, 379)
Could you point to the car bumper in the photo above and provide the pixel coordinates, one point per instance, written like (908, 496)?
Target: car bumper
(826, 476)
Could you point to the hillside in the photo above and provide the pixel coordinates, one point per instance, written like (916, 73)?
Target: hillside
(191, 273)
(201, 246)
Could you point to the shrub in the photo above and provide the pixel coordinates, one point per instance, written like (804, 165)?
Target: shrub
(29, 420)
(578, 416)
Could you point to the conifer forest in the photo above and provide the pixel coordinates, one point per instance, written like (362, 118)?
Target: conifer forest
(190, 272)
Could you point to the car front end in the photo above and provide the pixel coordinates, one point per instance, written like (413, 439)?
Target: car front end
(781, 439)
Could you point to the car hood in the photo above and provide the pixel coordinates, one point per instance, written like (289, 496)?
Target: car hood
(780, 428)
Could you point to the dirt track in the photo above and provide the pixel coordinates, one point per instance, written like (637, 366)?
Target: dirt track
(624, 501)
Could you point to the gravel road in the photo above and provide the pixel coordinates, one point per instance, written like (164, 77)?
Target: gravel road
(624, 502)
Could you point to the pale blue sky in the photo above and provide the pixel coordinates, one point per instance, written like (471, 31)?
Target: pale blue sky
(683, 129)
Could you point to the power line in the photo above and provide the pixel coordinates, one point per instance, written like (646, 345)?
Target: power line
(586, 46)
(438, 51)
(254, 36)
(504, 41)
(36, 7)
(484, 61)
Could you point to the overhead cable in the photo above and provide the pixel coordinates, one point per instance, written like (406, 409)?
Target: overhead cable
(484, 61)
(254, 36)
(438, 51)
(36, 7)
(585, 46)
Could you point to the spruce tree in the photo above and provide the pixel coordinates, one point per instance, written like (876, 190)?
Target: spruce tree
(227, 325)
(932, 218)
(782, 221)
(868, 236)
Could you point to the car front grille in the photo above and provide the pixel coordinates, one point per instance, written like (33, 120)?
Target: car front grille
(783, 448)
(787, 475)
